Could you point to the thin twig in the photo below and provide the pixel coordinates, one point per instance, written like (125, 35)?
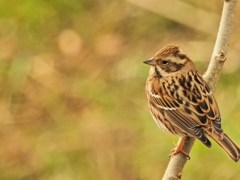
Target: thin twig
(168, 10)
(177, 162)
(221, 44)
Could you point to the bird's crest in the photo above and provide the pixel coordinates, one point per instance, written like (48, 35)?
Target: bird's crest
(168, 50)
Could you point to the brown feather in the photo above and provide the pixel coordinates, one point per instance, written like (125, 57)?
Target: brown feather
(228, 145)
(181, 102)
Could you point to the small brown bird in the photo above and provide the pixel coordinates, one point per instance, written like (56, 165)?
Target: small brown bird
(181, 102)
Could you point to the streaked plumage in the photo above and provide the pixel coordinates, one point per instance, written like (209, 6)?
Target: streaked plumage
(181, 102)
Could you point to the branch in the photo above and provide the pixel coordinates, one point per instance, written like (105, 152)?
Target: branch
(177, 162)
(189, 19)
(222, 42)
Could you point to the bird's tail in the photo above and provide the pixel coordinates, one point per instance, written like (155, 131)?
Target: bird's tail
(231, 148)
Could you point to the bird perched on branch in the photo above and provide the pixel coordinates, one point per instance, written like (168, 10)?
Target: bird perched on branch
(181, 102)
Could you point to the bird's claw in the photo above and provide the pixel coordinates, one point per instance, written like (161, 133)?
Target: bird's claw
(178, 149)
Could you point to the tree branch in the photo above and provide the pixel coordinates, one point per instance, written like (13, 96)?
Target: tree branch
(169, 11)
(222, 42)
(177, 162)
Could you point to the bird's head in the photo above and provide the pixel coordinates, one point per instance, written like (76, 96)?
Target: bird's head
(168, 60)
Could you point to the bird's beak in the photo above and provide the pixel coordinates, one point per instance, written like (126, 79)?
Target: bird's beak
(150, 62)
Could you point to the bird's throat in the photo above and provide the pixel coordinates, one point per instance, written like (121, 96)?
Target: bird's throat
(157, 73)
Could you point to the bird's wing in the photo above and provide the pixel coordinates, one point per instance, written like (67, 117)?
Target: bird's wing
(190, 106)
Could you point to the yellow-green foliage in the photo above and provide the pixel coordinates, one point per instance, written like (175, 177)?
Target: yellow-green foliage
(72, 91)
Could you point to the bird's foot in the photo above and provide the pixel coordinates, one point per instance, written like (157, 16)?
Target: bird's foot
(178, 148)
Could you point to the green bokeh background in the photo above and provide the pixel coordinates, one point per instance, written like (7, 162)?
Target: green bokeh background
(72, 85)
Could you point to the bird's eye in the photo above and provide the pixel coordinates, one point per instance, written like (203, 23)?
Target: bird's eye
(164, 62)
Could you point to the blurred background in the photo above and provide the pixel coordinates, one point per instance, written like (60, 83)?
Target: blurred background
(72, 82)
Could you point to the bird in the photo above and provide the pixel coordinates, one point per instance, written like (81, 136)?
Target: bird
(181, 102)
